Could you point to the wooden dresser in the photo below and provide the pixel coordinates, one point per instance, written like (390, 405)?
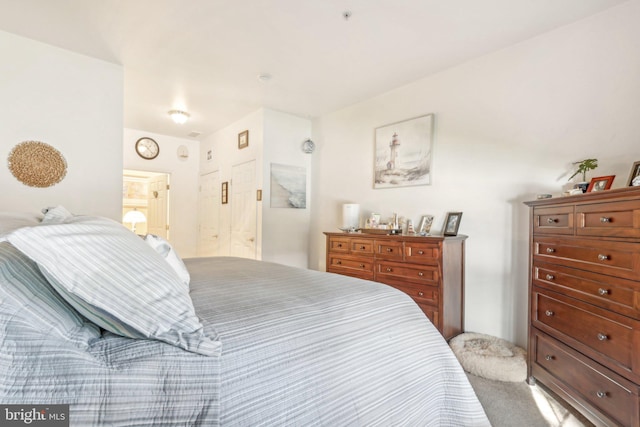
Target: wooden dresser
(430, 269)
(584, 329)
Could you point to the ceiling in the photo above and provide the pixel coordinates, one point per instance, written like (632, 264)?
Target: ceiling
(205, 56)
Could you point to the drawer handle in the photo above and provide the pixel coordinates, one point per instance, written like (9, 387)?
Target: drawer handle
(605, 219)
(550, 277)
(339, 262)
(361, 265)
(548, 358)
(548, 313)
(339, 245)
(551, 220)
(362, 248)
(389, 250)
(420, 294)
(602, 394)
(420, 273)
(420, 252)
(550, 250)
(603, 292)
(389, 269)
(602, 337)
(603, 257)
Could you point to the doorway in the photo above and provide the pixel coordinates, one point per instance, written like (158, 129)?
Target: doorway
(148, 193)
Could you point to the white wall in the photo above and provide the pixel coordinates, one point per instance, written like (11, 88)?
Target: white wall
(508, 126)
(183, 213)
(274, 137)
(73, 103)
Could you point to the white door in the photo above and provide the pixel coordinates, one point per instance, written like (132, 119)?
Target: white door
(157, 198)
(209, 214)
(243, 210)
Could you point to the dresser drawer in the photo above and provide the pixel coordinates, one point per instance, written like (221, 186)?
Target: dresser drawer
(619, 259)
(424, 253)
(612, 293)
(605, 336)
(361, 247)
(389, 249)
(432, 313)
(422, 294)
(339, 244)
(612, 219)
(553, 220)
(608, 393)
(350, 265)
(387, 270)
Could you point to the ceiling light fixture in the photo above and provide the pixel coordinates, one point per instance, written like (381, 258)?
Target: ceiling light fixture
(179, 116)
(264, 77)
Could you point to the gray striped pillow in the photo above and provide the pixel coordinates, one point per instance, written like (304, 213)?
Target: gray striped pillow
(116, 280)
(27, 299)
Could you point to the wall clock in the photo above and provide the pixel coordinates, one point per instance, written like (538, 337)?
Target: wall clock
(147, 148)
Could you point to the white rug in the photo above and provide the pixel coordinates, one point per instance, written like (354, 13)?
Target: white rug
(490, 357)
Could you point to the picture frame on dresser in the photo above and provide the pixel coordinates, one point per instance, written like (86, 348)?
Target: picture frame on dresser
(452, 223)
(600, 183)
(634, 176)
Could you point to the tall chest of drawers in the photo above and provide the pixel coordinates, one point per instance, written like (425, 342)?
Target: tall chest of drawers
(430, 269)
(584, 329)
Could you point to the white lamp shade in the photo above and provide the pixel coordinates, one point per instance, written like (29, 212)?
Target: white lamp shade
(134, 217)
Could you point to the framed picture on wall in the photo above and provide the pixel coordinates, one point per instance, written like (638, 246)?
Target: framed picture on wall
(634, 176)
(243, 139)
(403, 153)
(600, 183)
(452, 223)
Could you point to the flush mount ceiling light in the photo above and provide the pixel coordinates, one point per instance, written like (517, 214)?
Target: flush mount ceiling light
(179, 116)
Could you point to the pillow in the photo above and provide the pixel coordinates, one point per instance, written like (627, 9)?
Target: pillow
(164, 248)
(28, 300)
(55, 215)
(116, 280)
(10, 221)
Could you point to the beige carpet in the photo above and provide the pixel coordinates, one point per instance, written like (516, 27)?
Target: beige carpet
(510, 404)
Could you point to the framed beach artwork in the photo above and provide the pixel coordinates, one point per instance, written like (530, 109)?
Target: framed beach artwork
(288, 186)
(403, 152)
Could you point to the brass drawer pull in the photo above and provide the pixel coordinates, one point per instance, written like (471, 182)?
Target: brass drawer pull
(389, 250)
(605, 219)
(339, 245)
(420, 294)
(548, 313)
(362, 248)
(361, 265)
(420, 252)
(550, 277)
(420, 273)
(603, 292)
(601, 394)
(548, 358)
(389, 269)
(603, 257)
(551, 220)
(339, 262)
(550, 250)
(602, 337)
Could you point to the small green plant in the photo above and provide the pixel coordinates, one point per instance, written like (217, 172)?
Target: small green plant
(583, 167)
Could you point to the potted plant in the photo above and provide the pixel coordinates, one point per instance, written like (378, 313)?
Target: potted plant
(583, 167)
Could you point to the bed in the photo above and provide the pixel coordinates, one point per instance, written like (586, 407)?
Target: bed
(210, 341)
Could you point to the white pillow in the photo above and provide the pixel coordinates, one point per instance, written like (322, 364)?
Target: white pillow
(10, 221)
(116, 280)
(55, 215)
(164, 248)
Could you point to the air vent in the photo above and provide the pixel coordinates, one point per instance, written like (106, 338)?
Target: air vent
(194, 134)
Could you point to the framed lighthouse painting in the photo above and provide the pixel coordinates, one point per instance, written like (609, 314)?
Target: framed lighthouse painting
(403, 153)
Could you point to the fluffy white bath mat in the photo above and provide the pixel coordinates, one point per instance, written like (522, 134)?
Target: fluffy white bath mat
(490, 357)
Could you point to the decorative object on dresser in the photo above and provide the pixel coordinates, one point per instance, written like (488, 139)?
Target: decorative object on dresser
(350, 217)
(430, 269)
(584, 282)
(452, 223)
(634, 176)
(600, 183)
(584, 166)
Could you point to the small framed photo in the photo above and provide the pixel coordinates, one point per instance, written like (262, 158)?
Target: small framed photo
(243, 139)
(634, 176)
(452, 223)
(600, 183)
(425, 225)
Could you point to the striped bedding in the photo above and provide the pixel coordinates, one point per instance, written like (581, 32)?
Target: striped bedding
(299, 348)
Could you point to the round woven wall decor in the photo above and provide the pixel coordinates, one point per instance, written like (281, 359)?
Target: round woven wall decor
(37, 164)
